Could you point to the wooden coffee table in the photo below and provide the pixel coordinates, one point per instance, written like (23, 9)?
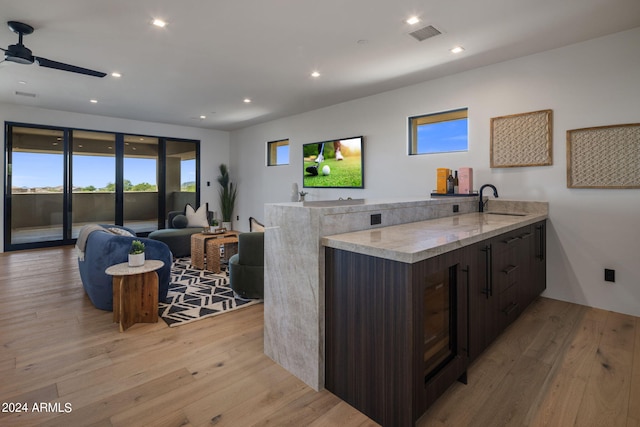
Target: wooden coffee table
(135, 293)
(198, 247)
(230, 243)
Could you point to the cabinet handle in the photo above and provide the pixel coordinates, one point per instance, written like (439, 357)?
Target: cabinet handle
(511, 240)
(510, 308)
(525, 236)
(488, 289)
(510, 269)
(467, 270)
(541, 245)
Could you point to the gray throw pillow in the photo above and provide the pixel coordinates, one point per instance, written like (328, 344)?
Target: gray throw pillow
(179, 221)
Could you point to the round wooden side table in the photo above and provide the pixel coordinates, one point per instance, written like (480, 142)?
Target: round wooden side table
(135, 293)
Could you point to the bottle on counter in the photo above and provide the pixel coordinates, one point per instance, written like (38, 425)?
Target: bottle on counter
(450, 183)
(455, 182)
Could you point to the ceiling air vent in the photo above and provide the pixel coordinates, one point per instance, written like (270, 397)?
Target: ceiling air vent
(425, 33)
(30, 95)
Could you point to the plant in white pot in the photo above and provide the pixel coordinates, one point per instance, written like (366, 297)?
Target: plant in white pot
(136, 254)
(227, 196)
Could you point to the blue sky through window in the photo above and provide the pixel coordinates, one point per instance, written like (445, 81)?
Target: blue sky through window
(34, 170)
(282, 155)
(443, 137)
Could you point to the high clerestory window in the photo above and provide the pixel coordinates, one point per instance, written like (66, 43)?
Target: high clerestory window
(278, 152)
(443, 132)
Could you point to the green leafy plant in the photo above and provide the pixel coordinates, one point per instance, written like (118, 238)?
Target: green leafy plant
(137, 247)
(227, 194)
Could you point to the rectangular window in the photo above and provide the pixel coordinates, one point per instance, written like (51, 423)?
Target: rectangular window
(278, 152)
(443, 132)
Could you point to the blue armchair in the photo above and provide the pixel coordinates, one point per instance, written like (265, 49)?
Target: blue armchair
(104, 249)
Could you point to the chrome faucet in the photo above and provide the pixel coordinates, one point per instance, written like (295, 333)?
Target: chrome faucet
(481, 203)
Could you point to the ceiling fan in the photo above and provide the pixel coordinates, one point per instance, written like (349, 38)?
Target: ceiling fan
(20, 54)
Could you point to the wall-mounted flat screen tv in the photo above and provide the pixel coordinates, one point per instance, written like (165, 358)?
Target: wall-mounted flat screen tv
(337, 163)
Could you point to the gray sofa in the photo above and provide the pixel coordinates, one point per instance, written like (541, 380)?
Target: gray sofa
(178, 239)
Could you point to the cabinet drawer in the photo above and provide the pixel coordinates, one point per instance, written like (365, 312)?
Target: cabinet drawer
(505, 277)
(510, 304)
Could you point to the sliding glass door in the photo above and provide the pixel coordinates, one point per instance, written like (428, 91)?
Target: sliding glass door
(35, 185)
(59, 179)
(93, 188)
(140, 183)
(181, 174)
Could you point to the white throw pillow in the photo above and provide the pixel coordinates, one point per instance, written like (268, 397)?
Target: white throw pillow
(196, 218)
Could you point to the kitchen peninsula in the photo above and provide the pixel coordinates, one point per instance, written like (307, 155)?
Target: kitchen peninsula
(295, 262)
(408, 307)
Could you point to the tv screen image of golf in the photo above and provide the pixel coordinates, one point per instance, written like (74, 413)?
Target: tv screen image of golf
(337, 163)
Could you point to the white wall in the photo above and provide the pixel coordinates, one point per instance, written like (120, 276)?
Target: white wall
(588, 84)
(214, 145)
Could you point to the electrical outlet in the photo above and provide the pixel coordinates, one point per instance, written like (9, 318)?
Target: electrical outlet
(609, 275)
(456, 208)
(237, 217)
(376, 219)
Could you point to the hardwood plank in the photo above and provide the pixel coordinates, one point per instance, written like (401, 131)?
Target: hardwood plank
(257, 407)
(634, 394)
(560, 399)
(606, 397)
(117, 403)
(342, 414)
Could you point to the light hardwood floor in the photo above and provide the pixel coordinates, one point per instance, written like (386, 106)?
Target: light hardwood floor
(559, 364)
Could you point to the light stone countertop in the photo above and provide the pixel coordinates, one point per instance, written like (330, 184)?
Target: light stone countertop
(417, 241)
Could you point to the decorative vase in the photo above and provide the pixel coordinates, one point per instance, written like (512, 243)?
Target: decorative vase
(226, 225)
(136, 260)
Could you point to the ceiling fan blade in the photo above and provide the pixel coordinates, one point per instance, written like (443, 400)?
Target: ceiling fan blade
(47, 63)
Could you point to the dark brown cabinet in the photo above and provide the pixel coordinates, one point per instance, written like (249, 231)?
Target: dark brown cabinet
(508, 274)
(398, 335)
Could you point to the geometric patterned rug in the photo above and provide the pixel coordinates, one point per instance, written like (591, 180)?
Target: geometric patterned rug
(197, 294)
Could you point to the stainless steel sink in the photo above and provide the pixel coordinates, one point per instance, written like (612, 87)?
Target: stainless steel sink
(506, 213)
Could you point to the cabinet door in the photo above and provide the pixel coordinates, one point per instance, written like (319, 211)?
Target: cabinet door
(441, 320)
(539, 259)
(484, 320)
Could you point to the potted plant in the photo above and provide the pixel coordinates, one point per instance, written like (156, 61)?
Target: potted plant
(136, 254)
(227, 196)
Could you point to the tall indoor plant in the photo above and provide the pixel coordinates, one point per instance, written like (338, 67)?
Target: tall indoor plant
(227, 196)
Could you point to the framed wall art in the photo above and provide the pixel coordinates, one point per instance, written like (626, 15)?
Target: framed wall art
(604, 157)
(522, 140)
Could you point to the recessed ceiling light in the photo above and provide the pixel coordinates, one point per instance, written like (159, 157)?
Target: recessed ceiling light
(457, 49)
(203, 117)
(159, 23)
(116, 74)
(413, 20)
(93, 101)
(22, 82)
(247, 101)
(315, 74)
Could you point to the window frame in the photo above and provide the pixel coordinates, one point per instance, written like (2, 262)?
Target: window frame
(272, 151)
(425, 119)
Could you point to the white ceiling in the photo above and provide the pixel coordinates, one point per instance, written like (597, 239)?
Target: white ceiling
(214, 53)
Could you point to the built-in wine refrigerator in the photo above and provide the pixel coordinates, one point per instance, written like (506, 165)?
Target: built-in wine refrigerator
(442, 311)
